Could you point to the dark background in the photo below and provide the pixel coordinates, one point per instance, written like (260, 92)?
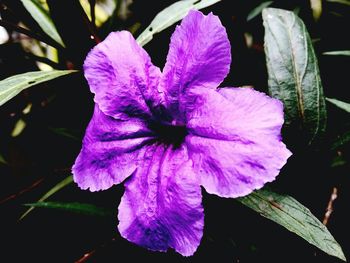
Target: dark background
(40, 158)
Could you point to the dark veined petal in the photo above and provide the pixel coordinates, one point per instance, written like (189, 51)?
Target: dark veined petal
(161, 206)
(110, 151)
(199, 57)
(123, 78)
(235, 140)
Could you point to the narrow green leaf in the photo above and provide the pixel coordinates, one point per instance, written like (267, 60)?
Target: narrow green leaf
(340, 104)
(289, 213)
(170, 16)
(296, 10)
(257, 10)
(293, 74)
(338, 161)
(2, 160)
(41, 16)
(341, 140)
(65, 132)
(11, 86)
(81, 208)
(337, 53)
(19, 127)
(316, 6)
(344, 2)
(52, 191)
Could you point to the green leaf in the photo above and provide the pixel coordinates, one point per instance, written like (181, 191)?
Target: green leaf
(289, 213)
(316, 7)
(170, 16)
(41, 16)
(340, 104)
(338, 161)
(344, 2)
(11, 86)
(293, 74)
(257, 10)
(2, 160)
(19, 127)
(341, 140)
(52, 191)
(81, 208)
(65, 132)
(337, 53)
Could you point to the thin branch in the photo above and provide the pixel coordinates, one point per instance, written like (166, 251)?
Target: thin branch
(92, 12)
(29, 33)
(91, 24)
(86, 256)
(45, 60)
(13, 196)
(329, 208)
(89, 254)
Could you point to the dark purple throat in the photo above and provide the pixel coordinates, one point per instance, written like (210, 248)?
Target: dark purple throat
(167, 133)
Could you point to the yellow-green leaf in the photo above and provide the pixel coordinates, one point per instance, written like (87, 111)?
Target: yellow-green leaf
(19, 127)
(11, 86)
(344, 2)
(316, 7)
(41, 16)
(170, 16)
(2, 160)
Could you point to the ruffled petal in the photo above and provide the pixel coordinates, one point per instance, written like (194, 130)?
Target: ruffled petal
(235, 140)
(199, 57)
(161, 206)
(123, 78)
(110, 151)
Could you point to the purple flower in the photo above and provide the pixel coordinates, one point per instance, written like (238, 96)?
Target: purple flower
(168, 133)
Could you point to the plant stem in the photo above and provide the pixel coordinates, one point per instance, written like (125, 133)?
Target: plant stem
(92, 13)
(330, 208)
(29, 33)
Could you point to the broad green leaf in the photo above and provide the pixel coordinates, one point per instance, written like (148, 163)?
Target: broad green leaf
(289, 213)
(11, 86)
(257, 10)
(81, 208)
(340, 104)
(52, 191)
(337, 53)
(341, 140)
(293, 74)
(41, 16)
(170, 16)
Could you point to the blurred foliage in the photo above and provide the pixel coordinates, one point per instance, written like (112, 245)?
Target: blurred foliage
(41, 130)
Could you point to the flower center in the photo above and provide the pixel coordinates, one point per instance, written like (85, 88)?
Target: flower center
(169, 134)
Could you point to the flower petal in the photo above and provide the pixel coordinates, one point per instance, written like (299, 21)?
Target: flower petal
(109, 152)
(235, 140)
(122, 76)
(161, 206)
(199, 57)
